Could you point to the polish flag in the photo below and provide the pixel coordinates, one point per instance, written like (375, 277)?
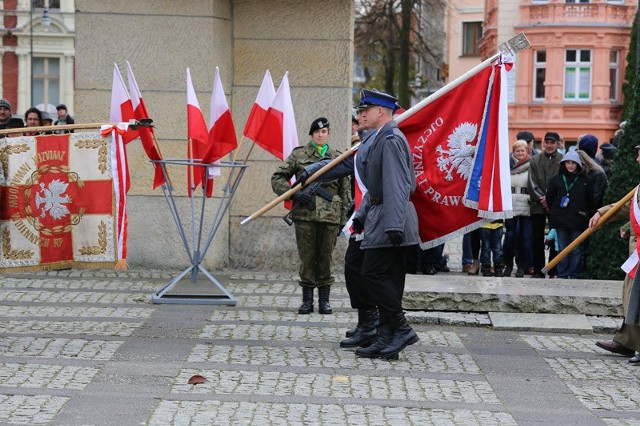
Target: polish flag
(121, 106)
(222, 133)
(197, 135)
(146, 134)
(121, 112)
(278, 133)
(266, 95)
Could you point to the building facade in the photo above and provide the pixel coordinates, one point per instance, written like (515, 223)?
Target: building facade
(38, 54)
(570, 80)
(244, 38)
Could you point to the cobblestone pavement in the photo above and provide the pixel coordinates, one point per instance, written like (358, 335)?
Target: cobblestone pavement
(89, 347)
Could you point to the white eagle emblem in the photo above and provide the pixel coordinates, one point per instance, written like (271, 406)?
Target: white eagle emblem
(53, 200)
(459, 156)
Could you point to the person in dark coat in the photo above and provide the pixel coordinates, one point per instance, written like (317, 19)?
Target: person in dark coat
(570, 200)
(390, 220)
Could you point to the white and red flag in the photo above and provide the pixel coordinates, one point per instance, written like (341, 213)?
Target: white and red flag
(121, 105)
(146, 134)
(197, 134)
(266, 95)
(278, 133)
(222, 132)
(443, 136)
(121, 112)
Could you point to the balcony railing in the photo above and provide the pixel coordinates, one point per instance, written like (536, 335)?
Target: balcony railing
(583, 13)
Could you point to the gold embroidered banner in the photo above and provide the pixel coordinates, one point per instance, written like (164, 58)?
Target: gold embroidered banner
(57, 202)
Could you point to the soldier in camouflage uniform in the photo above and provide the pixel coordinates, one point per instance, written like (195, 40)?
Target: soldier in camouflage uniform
(317, 221)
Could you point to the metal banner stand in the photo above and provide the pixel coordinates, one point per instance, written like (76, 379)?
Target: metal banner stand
(198, 249)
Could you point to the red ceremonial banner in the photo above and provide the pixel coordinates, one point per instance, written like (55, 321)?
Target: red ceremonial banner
(57, 202)
(443, 136)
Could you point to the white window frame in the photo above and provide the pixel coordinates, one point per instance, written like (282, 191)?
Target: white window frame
(46, 78)
(579, 66)
(615, 68)
(536, 66)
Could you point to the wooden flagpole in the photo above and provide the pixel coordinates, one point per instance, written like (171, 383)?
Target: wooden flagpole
(55, 128)
(605, 217)
(296, 188)
(514, 45)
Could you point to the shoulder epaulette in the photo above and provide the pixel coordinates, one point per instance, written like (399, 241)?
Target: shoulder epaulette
(297, 147)
(390, 134)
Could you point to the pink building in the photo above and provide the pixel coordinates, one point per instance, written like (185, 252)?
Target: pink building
(570, 80)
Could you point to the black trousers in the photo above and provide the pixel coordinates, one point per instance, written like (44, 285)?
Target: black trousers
(383, 270)
(356, 286)
(538, 223)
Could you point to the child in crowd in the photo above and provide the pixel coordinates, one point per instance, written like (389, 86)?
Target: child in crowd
(491, 245)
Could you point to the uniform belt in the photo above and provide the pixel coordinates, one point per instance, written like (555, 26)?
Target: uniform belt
(376, 201)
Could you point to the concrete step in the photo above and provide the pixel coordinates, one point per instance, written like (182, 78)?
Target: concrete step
(462, 292)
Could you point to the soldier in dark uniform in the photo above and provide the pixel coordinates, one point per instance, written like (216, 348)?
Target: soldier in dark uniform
(317, 220)
(390, 222)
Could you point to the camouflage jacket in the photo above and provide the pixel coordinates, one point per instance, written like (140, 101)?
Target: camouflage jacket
(320, 210)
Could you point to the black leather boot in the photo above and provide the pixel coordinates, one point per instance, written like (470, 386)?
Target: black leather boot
(307, 301)
(323, 300)
(366, 331)
(403, 336)
(385, 332)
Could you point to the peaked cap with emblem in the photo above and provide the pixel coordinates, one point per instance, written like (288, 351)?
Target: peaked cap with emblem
(370, 98)
(319, 123)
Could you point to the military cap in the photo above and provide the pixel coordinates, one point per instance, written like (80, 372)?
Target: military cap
(370, 98)
(319, 123)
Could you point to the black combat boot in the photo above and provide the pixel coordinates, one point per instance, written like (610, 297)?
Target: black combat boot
(307, 301)
(403, 336)
(366, 331)
(323, 300)
(498, 270)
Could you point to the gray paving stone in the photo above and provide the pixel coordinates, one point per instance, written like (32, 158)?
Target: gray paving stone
(58, 348)
(30, 409)
(324, 385)
(45, 376)
(71, 297)
(562, 343)
(414, 361)
(225, 413)
(540, 322)
(104, 328)
(74, 312)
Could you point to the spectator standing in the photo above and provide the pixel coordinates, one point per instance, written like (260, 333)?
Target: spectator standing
(570, 199)
(32, 118)
(527, 136)
(491, 248)
(471, 252)
(517, 240)
(63, 118)
(317, 220)
(608, 153)
(5, 115)
(543, 166)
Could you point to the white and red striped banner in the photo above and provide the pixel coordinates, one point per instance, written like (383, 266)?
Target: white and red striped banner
(461, 132)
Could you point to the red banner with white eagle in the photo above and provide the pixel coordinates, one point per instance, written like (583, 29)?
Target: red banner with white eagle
(58, 202)
(444, 138)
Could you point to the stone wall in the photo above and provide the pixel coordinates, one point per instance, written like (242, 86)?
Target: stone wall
(244, 38)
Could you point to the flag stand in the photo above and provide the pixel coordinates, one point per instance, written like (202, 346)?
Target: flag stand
(197, 249)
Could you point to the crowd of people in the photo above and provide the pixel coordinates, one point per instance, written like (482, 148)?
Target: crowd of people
(33, 117)
(555, 192)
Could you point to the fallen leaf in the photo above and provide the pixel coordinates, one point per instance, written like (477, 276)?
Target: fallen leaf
(197, 380)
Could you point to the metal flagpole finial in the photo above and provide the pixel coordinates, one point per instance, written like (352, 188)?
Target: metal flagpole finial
(514, 45)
